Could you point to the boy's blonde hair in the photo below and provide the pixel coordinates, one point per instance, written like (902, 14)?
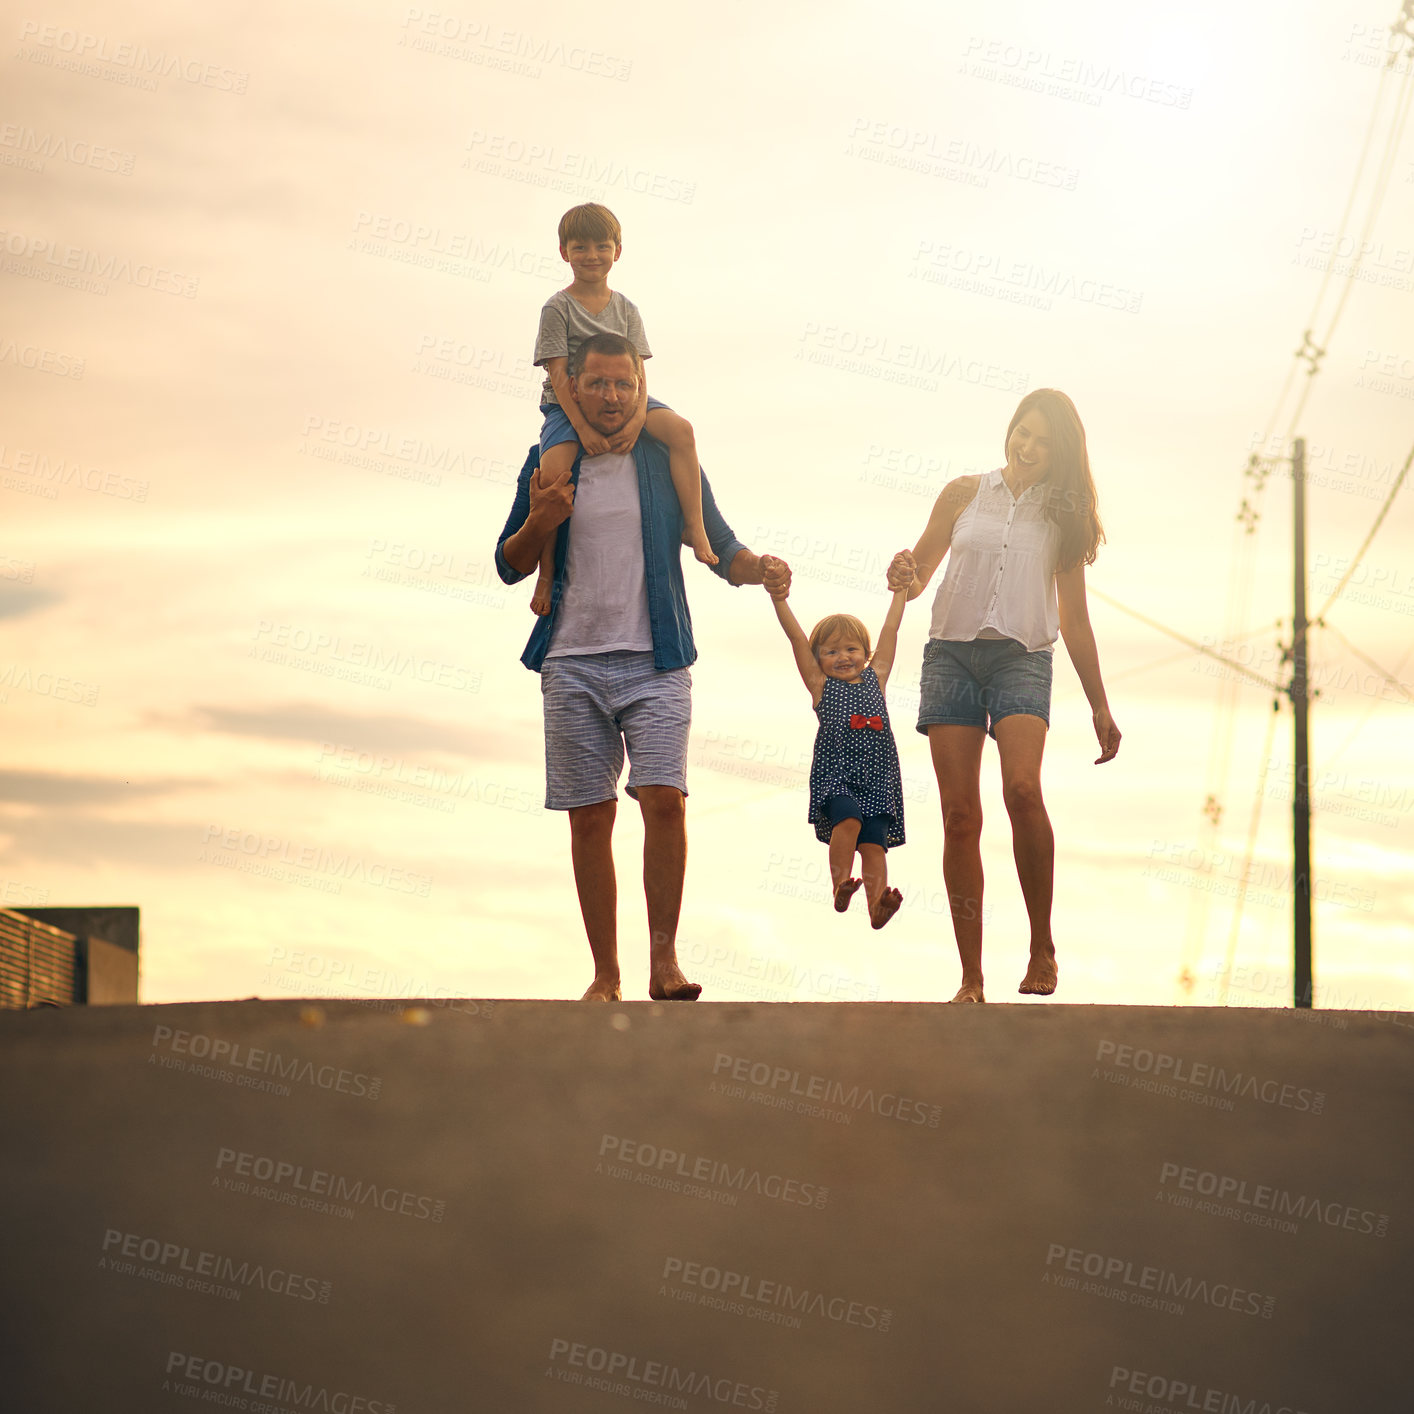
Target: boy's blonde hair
(590, 222)
(832, 624)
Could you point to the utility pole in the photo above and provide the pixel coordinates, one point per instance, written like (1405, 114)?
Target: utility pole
(1301, 795)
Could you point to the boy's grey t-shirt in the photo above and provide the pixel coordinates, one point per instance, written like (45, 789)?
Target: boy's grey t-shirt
(565, 324)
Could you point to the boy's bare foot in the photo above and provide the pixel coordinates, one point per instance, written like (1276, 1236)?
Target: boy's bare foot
(1041, 975)
(970, 991)
(844, 891)
(667, 984)
(702, 548)
(885, 908)
(540, 600)
(603, 989)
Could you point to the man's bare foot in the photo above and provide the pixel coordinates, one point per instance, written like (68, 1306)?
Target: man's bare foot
(667, 984)
(540, 600)
(970, 992)
(844, 891)
(702, 548)
(1041, 975)
(885, 908)
(603, 989)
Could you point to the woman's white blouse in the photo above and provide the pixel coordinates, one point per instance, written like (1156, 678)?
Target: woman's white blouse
(1001, 576)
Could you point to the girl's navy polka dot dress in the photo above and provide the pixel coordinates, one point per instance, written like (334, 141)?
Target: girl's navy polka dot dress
(860, 760)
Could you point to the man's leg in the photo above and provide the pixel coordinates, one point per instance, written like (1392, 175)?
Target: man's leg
(957, 763)
(664, 868)
(1021, 739)
(583, 758)
(592, 851)
(655, 714)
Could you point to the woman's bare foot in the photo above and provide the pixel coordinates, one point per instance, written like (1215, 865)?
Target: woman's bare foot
(844, 891)
(970, 991)
(702, 547)
(667, 984)
(603, 989)
(1041, 974)
(540, 600)
(886, 906)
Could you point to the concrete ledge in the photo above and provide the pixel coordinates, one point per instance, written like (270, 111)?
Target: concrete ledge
(528, 1206)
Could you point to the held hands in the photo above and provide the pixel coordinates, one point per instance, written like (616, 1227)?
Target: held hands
(595, 444)
(901, 571)
(775, 577)
(1107, 734)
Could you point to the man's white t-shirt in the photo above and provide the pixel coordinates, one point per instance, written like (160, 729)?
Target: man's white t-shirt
(604, 606)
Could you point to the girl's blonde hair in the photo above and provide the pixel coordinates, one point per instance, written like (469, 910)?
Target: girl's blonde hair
(832, 624)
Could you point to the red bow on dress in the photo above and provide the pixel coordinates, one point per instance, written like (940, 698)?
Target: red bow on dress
(873, 723)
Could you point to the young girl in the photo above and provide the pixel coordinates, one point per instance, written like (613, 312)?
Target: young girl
(856, 795)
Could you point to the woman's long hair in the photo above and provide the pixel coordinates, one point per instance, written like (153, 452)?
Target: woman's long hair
(1070, 489)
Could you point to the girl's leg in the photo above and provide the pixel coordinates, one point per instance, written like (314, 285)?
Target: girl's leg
(957, 763)
(883, 901)
(676, 433)
(1021, 739)
(555, 466)
(843, 839)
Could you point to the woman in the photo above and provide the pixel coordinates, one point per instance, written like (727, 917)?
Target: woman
(1020, 540)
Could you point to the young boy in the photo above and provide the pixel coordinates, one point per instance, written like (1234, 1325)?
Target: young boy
(590, 242)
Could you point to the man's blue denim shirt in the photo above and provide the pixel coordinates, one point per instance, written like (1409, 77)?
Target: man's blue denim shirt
(668, 616)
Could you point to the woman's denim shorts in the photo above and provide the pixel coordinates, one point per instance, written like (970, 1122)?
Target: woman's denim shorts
(976, 684)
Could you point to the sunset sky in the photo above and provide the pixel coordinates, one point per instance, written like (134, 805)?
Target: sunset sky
(271, 282)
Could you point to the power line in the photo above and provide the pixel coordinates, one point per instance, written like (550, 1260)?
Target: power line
(1365, 544)
(1370, 662)
(1184, 639)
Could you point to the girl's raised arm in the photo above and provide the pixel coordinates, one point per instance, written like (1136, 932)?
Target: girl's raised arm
(810, 673)
(901, 573)
(937, 534)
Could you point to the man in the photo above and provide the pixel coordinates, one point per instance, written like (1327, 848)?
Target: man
(613, 654)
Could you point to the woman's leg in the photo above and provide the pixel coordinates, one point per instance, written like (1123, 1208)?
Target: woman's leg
(1021, 740)
(957, 762)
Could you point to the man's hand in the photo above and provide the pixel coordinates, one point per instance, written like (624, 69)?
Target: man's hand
(901, 571)
(775, 576)
(551, 502)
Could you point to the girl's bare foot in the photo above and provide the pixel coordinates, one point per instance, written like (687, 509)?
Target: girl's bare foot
(970, 991)
(540, 600)
(603, 989)
(702, 548)
(1041, 974)
(844, 891)
(885, 908)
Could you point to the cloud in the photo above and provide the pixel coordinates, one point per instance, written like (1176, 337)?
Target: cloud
(365, 732)
(17, 600)
(68, 839)
(50, 789)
